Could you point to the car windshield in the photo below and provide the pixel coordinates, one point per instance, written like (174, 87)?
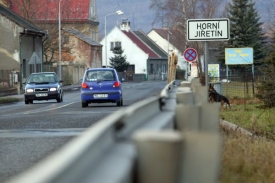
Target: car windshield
(101, 75)
(42, 78)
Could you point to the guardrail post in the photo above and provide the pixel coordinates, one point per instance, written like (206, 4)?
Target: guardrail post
(184, 97)
(209, 117)
(199, 122)
(200, 94)
(158, 155)
(185, 84)
(200, 157)
(187, 117)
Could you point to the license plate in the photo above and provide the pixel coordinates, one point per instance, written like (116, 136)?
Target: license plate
(100, 95)
(41, 94)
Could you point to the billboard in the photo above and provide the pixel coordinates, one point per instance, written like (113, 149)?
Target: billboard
(236, 56)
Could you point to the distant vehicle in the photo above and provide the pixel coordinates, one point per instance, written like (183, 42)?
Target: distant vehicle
(101, 85)
(43, 86)
(225, 81)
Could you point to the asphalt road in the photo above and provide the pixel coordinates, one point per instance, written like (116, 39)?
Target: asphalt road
(29, 133)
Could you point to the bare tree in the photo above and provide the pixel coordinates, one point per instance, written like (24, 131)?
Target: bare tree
(177, 12)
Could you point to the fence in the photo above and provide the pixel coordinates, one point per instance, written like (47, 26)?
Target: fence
(240, 88)
(8, 82)
(71, 74)
(132, 78)
(173, 138)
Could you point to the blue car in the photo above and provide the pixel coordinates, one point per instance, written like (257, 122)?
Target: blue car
(101, 85)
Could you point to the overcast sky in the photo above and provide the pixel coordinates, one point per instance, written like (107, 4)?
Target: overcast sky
(141, 17)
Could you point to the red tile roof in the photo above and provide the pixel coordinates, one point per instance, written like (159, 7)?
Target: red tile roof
(140, 44)
(71, 10)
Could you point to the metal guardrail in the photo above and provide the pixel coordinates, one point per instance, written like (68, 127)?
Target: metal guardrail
(148, 142)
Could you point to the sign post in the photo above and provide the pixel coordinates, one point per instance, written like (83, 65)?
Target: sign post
(208, 30)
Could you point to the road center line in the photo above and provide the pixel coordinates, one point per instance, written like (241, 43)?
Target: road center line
(36, 111)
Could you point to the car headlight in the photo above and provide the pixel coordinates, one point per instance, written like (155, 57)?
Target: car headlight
(29, 90)
(53, 89)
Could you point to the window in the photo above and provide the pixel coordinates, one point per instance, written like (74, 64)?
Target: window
(151, 69)
(116, 44)
(93, 11)
(100, 75)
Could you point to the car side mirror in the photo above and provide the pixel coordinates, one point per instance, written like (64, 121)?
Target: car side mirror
(60, 81)
(80, 81)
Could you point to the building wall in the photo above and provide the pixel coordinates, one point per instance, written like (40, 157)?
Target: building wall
(158, 40)
(9, 44)
(157, 69)
(163, 43)
(30, 45)
(4, 3)
(84, 53)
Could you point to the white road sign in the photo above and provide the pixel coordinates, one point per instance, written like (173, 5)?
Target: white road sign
(208, 29)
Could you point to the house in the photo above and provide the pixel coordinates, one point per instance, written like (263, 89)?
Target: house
(74, 19)
(84, 53)
(21, 46)
(156, 67)
(172, 40)
(150, 61)
(80, 14)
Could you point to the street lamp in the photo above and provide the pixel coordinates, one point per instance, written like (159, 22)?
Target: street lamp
(59, 39)
(118, 13)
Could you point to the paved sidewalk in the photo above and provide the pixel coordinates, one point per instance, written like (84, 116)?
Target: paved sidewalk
(65, 88)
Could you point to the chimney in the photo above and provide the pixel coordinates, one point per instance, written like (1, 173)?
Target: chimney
(125, 25)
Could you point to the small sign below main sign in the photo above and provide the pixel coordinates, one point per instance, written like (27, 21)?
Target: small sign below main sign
(190, 54)
(208, 29)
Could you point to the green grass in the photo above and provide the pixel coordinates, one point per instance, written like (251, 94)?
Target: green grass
(6, 100)
(238, 90)
(252, 117)
(248, 159)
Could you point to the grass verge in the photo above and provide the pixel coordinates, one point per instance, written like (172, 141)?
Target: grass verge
(7, 100)
(248, 159)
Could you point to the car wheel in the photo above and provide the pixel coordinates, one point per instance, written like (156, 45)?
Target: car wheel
(84, 104)
(120, 102)
(59, 99)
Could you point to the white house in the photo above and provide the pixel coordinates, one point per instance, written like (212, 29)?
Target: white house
(172, 40)
(150, 62)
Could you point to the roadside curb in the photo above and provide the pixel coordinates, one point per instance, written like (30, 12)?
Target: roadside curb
(227, 126)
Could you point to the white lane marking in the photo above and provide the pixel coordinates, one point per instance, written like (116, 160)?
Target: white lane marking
(37, 111)
(21, 133)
